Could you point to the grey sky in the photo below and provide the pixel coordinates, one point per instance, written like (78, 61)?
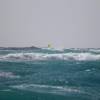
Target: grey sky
(63, 23)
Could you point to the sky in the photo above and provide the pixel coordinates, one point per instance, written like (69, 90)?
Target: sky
(61, 23)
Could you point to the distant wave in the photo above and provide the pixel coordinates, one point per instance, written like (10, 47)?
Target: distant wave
(95, 50)
(46, 56)
(54, 49)
(47, 89)
(8, 75)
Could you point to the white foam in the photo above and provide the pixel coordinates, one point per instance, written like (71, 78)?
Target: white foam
(47, 88)
(46, 56)
(8, 75)
(87, 70)
(95, 50)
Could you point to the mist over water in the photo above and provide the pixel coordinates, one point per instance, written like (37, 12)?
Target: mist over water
(49, 74)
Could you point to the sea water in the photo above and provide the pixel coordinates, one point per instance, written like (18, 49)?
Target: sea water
(49, 74)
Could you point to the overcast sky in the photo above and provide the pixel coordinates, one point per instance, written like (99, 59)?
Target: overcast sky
(62, 23)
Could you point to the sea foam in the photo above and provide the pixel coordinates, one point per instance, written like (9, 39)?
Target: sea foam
(8, 75)
(46, 56)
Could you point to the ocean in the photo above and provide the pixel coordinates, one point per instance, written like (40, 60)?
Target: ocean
(49, 74)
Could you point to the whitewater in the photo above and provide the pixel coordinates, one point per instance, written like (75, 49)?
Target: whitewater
(49, 74)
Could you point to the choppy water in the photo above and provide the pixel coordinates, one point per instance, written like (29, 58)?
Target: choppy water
(49, 74)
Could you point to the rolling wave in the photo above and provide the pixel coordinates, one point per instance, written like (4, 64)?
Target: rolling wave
(46, 56)
(47, 89)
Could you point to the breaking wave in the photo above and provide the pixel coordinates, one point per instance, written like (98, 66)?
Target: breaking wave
(46, 56)
(47, 89)
(95, 50)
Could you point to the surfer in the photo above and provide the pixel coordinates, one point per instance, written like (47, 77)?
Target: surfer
(49, 45)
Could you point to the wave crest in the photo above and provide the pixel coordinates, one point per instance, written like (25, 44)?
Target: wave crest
(45, 56)
(47, 89)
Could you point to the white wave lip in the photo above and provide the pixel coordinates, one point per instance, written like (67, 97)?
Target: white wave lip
(47, 89)
(8, 75)
(45, 56)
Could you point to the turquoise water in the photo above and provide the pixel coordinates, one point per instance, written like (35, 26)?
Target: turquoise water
(49, 74)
